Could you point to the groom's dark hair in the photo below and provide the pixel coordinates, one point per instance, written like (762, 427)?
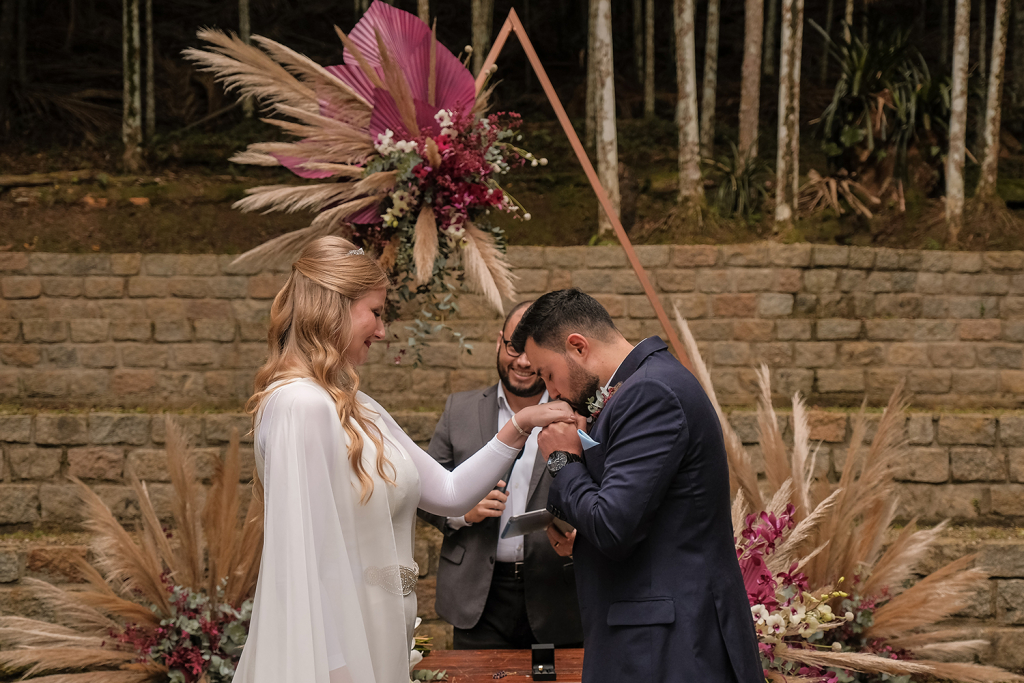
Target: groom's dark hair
(556, 315)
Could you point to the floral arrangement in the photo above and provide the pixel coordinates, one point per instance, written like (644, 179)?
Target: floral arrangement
(595, 404)
(200, 637)
(798, 542)
(408, 163)
(156, 606)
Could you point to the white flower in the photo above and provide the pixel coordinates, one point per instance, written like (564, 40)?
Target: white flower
(760, 613)
(809, 626)
(468, 49)
(385, 144)
(797, 611)
(775, 623)
(543, 162)
(825, 613)
(837, 647)
(406, 146)
(527, 216)
(849, 616)
(534, 163)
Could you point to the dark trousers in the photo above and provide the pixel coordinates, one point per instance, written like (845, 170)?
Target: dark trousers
(504, 623)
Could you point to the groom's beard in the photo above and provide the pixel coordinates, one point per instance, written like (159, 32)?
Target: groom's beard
(583, 385)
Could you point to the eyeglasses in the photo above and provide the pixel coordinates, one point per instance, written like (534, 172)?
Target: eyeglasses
(508, 347)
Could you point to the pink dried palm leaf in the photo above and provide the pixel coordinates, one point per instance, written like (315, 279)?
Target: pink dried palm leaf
(921, 640)
(742, 474)
(804, 459)
(154, 538)
(796, 540)
(416, 53)
(320, 80)
(424, 250)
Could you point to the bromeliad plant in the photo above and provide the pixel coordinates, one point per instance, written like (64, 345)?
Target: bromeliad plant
(157, 607)
(885, 126)
(891, 625)
(407, 164)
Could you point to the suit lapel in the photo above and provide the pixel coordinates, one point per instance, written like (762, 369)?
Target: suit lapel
(488, 414)
(538, 472)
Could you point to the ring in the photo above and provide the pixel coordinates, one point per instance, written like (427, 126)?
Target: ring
(556, 544)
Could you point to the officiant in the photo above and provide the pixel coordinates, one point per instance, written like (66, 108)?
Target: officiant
(502, 593)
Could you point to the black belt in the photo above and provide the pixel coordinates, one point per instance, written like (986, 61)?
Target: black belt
(509, 570)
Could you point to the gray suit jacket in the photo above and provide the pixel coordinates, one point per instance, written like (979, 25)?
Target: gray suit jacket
(466, 567)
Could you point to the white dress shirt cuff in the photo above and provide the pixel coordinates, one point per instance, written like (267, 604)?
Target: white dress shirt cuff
(458, 522)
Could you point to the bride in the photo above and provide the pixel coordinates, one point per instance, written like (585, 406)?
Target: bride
(335, 601)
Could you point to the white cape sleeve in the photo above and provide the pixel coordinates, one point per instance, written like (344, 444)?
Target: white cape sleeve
(311, 620)
(451, 493)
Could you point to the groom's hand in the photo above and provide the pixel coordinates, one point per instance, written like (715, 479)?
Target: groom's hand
(562, 543)
(559, 436)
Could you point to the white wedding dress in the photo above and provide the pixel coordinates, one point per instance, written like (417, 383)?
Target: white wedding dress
(334, 601)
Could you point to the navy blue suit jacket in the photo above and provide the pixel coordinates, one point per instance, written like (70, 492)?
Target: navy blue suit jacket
(661, 593)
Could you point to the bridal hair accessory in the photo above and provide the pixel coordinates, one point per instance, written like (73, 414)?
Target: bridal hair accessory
(596, 403)
(395, 578)
(356, 252)
(407, 163)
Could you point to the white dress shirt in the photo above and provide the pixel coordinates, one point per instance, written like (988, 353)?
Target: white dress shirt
(511, 549)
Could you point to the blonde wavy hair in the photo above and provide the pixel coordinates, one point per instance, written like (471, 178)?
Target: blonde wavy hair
(310, 330)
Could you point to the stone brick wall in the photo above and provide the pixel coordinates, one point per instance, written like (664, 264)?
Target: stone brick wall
(969, 467)
(833, 322)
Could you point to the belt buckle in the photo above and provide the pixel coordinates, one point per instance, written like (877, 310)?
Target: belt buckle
(519, 572)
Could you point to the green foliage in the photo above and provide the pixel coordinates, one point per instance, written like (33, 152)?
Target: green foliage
(885, 102)
(741, 183)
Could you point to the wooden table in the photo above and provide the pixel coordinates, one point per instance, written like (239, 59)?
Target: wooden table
(479, 666)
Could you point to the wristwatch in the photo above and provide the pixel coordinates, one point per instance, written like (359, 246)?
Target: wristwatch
(559, 459)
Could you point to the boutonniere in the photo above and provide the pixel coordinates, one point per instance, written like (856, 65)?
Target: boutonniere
(596, 403)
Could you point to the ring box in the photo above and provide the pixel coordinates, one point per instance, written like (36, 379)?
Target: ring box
(544, 662)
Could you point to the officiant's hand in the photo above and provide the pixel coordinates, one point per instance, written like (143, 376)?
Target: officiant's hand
(559, 436)
(491, 506)
(562, 543)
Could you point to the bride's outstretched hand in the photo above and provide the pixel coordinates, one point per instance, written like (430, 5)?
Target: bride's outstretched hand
(544, 414)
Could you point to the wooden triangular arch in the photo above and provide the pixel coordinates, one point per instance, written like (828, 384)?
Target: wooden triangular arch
(514, 25)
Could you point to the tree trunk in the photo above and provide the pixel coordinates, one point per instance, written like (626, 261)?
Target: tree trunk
(360, 7)
(423, 10)
(1018, 47)
(982, 39)
(944, 31)
(483, 19)
(750, 92)
(829, 20)
(607, 137)
(649, 59)
(69, 36)
(590, 122)
(993, 113)
(150, 75)
(8, 18)
(848, 22)
(638, 39)
(707, 111)
(131, 56)
(690, 187)
(787, 163)
(244, 30)
(958, 123)
(22, 41)
(771, 33)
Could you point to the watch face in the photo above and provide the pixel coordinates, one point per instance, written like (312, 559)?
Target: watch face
(557, 461)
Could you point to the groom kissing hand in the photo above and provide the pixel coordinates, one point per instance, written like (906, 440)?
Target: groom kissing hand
(647, 489)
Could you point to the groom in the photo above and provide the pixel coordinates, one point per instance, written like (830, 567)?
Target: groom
(660, 590)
